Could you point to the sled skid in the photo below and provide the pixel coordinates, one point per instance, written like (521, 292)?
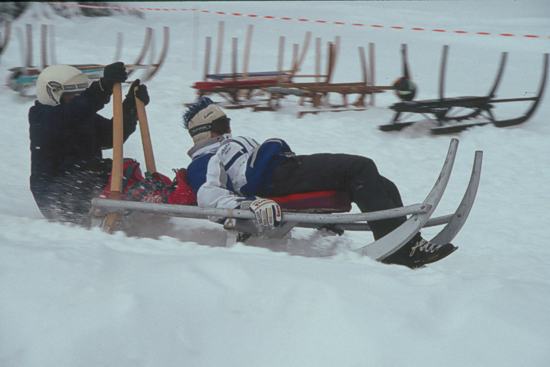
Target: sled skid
(190, 211)
(387, 245)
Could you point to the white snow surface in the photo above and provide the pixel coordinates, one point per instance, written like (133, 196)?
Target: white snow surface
(70, 296)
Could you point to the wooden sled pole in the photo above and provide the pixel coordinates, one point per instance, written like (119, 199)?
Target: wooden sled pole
(372, 70)
(145, 136)
(442, 71)
(364, 66)
(43, 46)
(148, 43)
(317, 59)
(219, 50)
(53, 55)
(294, 57)
(281, 54)
(29, 54)
(246, 54)
(118, 46)
(117, 168)
(234, 49)
(300, 59)
(207, 48)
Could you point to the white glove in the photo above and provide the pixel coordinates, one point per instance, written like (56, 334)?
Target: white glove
(268, 213)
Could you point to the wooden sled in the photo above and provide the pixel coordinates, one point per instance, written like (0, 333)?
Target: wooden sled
(22, 79)
(316, 94)
(241, 89)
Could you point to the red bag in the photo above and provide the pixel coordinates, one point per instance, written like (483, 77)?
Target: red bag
(153, 188)
(130, 176)
(183, 193)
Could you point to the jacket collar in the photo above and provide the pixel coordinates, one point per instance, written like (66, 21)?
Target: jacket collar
(209, 145)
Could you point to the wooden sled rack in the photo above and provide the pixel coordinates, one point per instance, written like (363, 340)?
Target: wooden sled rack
(240, 89)
(454, 114)
(22, 79)
(264, 90)
(324, 210)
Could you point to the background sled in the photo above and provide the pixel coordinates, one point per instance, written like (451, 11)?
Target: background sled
(458, 113)
(317, 93)
(242, 89)
(23, 78)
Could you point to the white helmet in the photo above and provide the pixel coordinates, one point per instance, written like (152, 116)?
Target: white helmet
(55, 80)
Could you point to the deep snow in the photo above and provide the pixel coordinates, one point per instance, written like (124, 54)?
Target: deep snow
(76, 297)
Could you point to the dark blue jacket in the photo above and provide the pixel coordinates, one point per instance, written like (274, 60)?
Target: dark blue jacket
(67, 140)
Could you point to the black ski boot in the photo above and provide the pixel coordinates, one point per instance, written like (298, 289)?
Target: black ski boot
(418, 253)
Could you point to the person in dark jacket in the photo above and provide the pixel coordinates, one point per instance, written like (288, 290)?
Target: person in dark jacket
(238, 172)
(67, 137)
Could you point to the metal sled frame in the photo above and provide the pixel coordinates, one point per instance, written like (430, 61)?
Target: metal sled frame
(479, 108)
(419, 215)
(24, 77)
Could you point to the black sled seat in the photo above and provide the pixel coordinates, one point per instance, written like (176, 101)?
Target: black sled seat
(432, 105)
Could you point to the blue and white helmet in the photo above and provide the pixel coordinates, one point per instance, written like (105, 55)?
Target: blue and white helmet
(199, 117)
(55, 80)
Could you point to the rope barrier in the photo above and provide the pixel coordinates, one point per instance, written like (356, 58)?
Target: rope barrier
(304, 20)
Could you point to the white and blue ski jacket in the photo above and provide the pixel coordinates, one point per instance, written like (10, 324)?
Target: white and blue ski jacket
(226, 170)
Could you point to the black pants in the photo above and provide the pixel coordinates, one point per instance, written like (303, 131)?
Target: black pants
(68, 198)
(356, 175)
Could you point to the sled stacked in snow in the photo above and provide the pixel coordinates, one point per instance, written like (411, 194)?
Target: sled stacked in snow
(264, 90)
(23, 78)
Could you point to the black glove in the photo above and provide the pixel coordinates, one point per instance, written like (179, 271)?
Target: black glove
(138, 90)
(113, 73)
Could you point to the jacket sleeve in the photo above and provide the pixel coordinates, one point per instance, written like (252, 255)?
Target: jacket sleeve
(81, 108)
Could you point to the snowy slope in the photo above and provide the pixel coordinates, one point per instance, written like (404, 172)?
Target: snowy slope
(76, 297)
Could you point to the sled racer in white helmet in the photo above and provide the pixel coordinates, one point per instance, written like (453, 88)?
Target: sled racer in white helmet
(68, 136)
(55, 80)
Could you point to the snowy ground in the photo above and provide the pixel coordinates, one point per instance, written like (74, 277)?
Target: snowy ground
(76, 297)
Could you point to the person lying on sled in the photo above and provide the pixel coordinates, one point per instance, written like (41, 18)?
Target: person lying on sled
(238, 172)
(67, 137)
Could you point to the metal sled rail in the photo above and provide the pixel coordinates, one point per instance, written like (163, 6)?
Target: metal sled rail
(189, 211)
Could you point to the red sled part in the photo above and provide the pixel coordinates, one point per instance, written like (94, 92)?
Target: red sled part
(328, 201)
(232, 83)
(158, 188)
